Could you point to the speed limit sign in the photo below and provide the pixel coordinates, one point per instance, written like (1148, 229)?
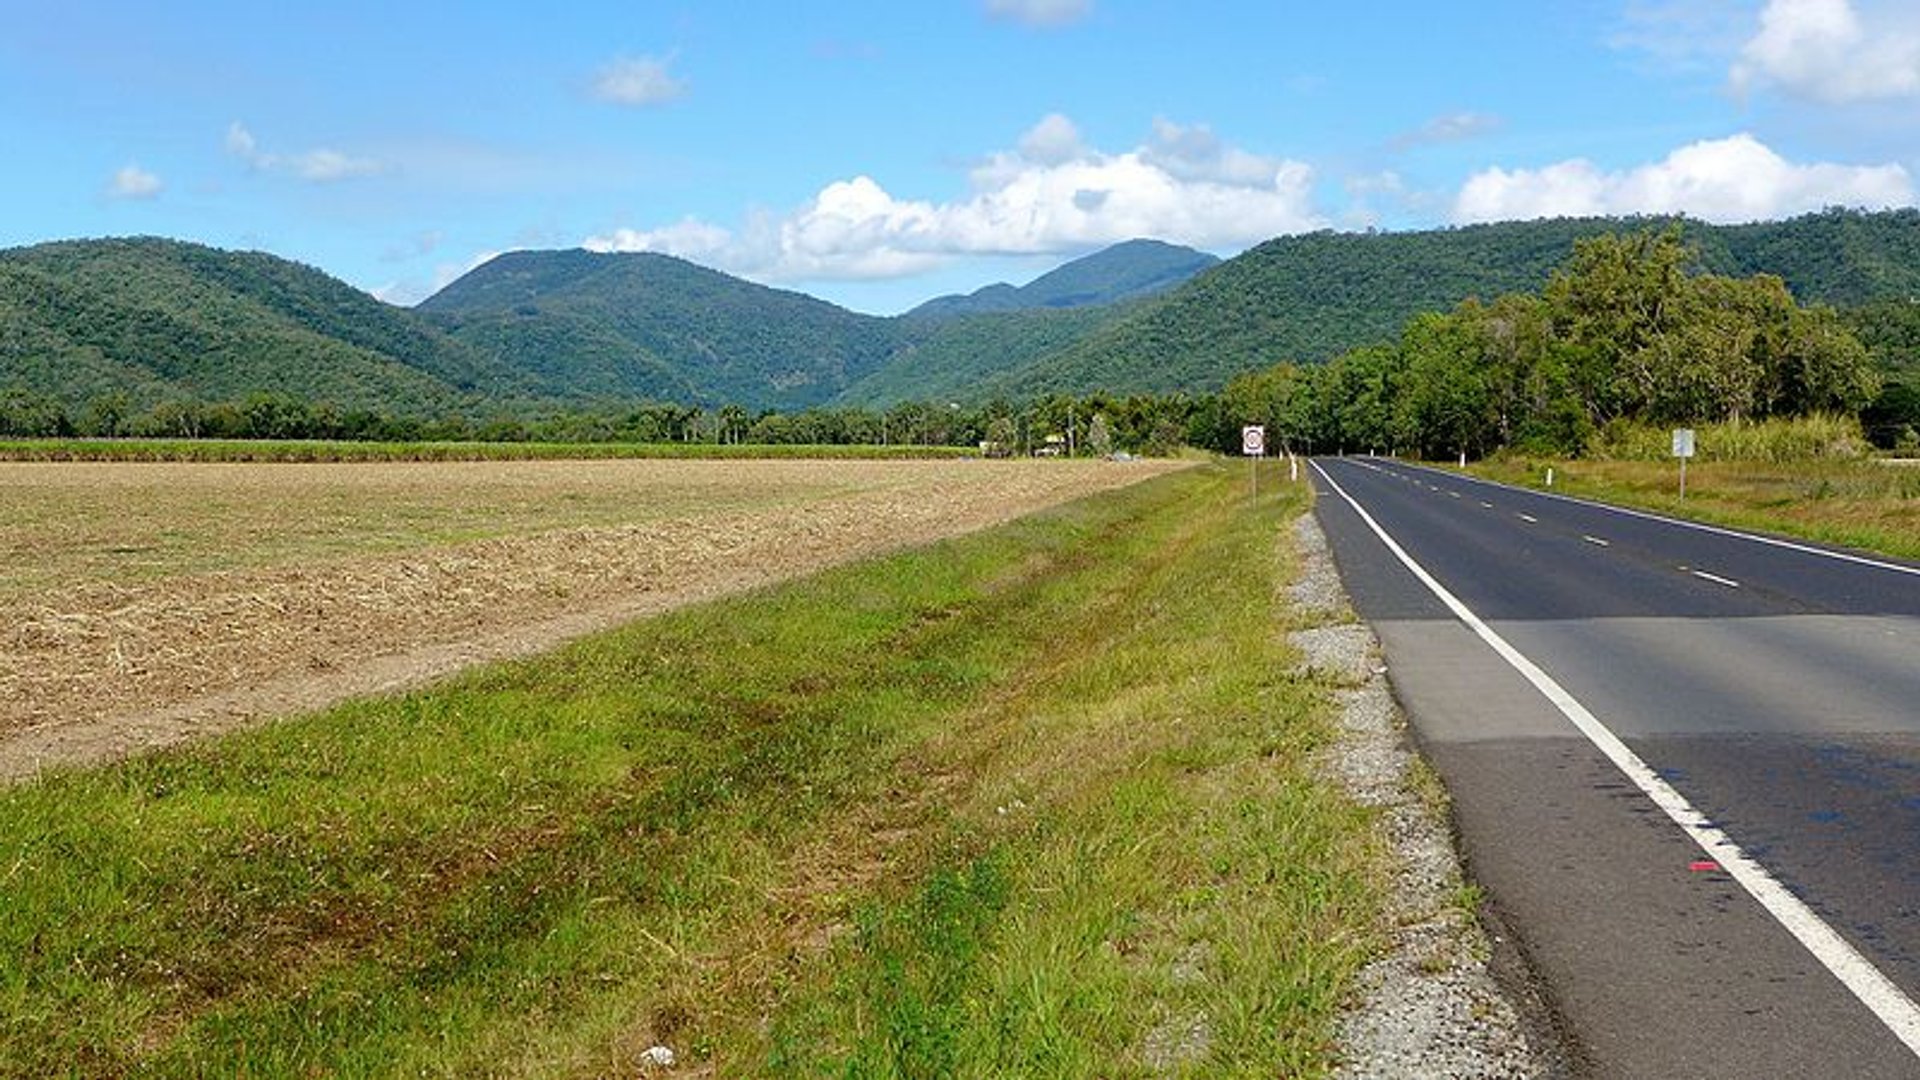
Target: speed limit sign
(1253, 440)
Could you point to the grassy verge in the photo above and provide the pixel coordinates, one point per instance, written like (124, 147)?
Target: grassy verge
(300, 450)
(1034, 802)
(1859, 503)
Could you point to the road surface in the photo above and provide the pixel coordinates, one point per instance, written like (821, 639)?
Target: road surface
(1685, 765)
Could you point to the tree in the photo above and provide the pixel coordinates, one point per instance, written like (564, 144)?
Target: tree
(1099, 437)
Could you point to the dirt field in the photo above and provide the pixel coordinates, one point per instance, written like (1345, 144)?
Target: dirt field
(146, 604)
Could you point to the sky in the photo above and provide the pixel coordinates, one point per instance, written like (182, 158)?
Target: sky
(877, 154)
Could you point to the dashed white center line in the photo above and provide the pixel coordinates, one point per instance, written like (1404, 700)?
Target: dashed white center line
(1528, 518)
(1453, 494)
(1716, 579)
(1486, 504)
(1597, 541)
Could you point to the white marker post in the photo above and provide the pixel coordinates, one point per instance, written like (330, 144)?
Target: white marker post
(1683, 449)
(1253, 443)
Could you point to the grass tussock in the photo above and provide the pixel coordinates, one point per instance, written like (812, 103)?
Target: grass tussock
(1035, 802)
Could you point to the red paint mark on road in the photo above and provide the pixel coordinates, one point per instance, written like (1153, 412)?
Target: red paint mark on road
(1703, 864)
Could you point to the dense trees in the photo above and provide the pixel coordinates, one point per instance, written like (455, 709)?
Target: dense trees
(1628, 329)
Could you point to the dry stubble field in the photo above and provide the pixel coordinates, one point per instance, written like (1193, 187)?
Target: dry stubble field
(144, 604)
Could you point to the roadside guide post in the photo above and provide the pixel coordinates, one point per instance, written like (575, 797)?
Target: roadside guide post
(1253, 443)
(1683, 449)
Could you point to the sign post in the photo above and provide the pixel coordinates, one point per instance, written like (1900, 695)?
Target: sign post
(1253, 443)
(1683, 449)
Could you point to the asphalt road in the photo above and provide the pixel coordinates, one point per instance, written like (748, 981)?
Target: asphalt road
(1717, 871)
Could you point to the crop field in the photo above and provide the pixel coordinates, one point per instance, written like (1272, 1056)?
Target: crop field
(147, 602)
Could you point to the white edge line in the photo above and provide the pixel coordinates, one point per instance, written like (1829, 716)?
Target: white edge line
(1877, 992)
(1718, 530)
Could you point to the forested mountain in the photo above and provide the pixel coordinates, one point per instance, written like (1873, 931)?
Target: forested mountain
(1125, 271)
(145, 321)
(647, 325)
(158, 320)
(1309, 298)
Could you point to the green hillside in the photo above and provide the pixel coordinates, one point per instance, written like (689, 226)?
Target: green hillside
(1125, 271)
(951, 358)
(159, 320)
(141, 322)
(1312, 297)
(647, 325)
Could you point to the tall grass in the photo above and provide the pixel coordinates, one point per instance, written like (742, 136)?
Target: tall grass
(1809, 477)
(1772, 440)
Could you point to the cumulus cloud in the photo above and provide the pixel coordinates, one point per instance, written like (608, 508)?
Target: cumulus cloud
(1826, 51)
(1053, 141)
(134, 182)
(1722, 180)
(321, 165)
(638, 81)
(1051, 194)
(1040, 12)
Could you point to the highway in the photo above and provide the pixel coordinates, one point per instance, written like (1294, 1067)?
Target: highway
(1684, 764)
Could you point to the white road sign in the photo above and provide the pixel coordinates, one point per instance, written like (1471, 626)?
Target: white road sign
(1683, 442)
(1253, 440)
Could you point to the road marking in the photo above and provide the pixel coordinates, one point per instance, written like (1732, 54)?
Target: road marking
(1528, 518)
(1486, 504)
(1597, 541)
(1771, 541)
(1717, 579)
(1874, 990)
(1453, 494)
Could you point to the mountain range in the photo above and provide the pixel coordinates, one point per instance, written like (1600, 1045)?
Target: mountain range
(152, 320)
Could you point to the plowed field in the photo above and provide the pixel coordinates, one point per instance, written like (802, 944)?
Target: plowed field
(144, 604)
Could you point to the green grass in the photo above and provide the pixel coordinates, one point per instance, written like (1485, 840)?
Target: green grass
(301, 450)
(1807, 477)
(1017, 804)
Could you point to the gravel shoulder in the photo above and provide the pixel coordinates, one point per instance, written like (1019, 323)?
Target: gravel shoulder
(1430, 1005)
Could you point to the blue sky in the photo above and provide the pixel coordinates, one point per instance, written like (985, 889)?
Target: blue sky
(877, 154)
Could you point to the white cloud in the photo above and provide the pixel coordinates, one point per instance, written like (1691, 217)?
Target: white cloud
(689, 239)
(1723, 180)
(1451, 127)
(134, 182)
(1052, 141)
(321, 165)
(1052, 195)
(1684, 36)
(1040, 12)
(1826, 51)
(638, 81)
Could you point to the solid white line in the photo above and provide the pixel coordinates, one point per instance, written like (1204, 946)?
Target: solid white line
(1717, 579)
(1717, 530)
(1597, 541)
(1528, 518)
(1877, 992)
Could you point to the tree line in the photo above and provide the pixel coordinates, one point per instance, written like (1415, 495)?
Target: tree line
(1627, 331)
